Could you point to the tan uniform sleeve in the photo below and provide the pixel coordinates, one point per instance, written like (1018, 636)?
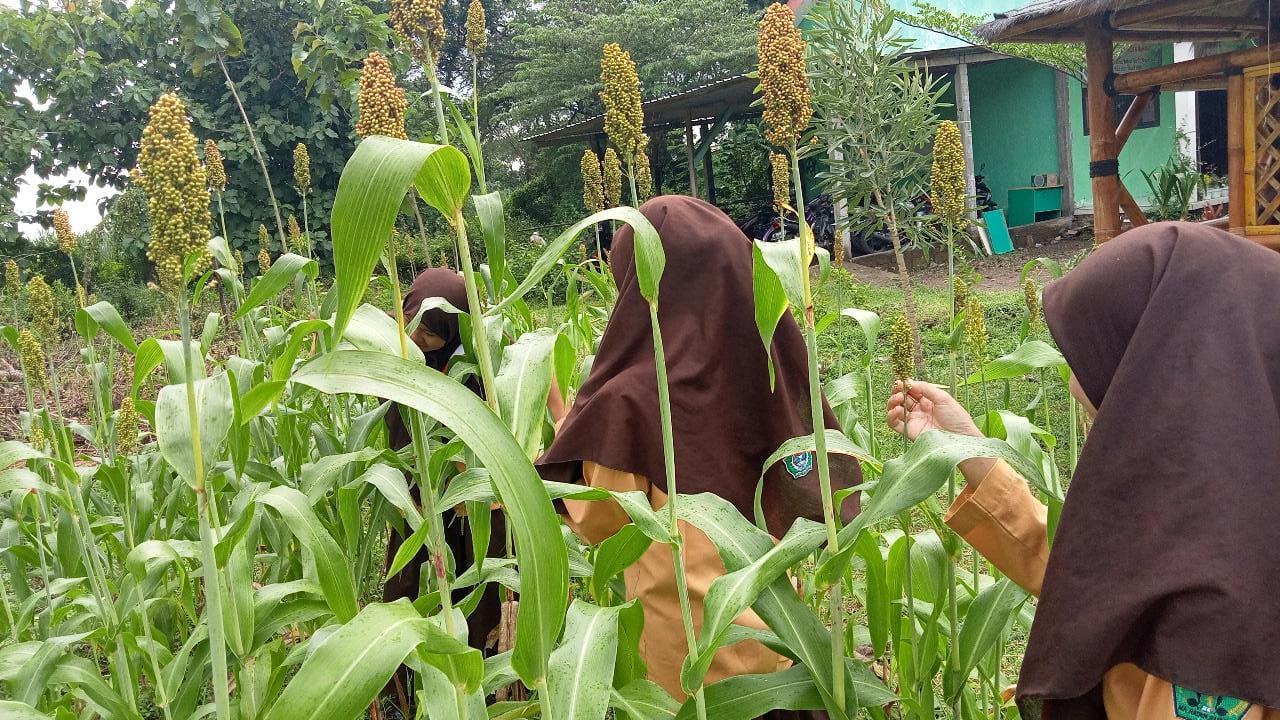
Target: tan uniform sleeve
(596, 520)
(1006, 523)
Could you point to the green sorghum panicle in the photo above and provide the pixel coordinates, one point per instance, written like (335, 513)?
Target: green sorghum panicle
(612, 178)
(32, 354)
(781, 180)
(40, 303)
(644, 175)
(302, 169)
(788, 102)
(946, 190)
(12, 277)
(1031, 296)
(214, 167)
(975, 329)
(264, 252)
(82, 298)
(623, 113)
(592, 182)
(901, 355)
(296, 241)
(62, 229)
(960, 294)
(475, 28)
(127, 427)
(177, 191)
(381, 102)
(239, 268)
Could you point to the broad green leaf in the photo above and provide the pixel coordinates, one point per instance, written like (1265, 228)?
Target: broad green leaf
(581, 669)
(1029, 357)
(522, 384)
(878, 594)
(734, 592)
(174, 431)
(103, 314)
(13, 452)
(493, 226)
(617, 553)
(14, 710)
(745, 697)
(783, 258)
(373, 183)
(849, 387)
(543, 560)
(319, 477)
(390, 482)
(372, 329)
(837, 443)
(331, 565)
(646, 237)
(984, 621)
(770, 301)
(636, 505)
(348, 671)
(282, 271)
(644, 700)
(868, 322)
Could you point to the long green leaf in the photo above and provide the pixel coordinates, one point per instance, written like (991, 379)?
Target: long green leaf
(522, 384)
(348, 671)
(331, 564)
(1026, 358)
(644, 700)
(373, 183)
(283, 270)
(985, 620)
(103, 314)
(581, 669)
(493, 226)
(214, 416)
(617, 553)
(543, 560)
(14, 710)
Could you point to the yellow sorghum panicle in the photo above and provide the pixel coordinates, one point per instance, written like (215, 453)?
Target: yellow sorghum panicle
(302, 169)
(12, 277)
(592, 182)
(420, 23)
(975, 329)
(475, 28)
(40, 302)
(623, 114)
(781, 179)
(37, 437)
(177, 190)
(213, 166)
(295, 234)
(127, 427)
(644, 175)
(901, 356)
(239, 268)
(946, 178)
(444, 259)
(264, 253)
(32, 355)
(1032, 297)
(612, 178)
(81, 296)
(959, 294)
(381, 102)
(62, 228)
(788, 102)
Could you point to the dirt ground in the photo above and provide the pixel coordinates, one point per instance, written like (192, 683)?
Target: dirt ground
(999, 272)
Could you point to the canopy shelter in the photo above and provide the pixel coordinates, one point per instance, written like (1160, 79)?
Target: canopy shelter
(1253, 92)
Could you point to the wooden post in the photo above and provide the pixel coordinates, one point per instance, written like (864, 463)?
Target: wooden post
(688, 151)
(1102, 135)
(1131, 118)
(964, 118)
(1131, 208)
(1236, 130)
(1066, 169)
(708, 171)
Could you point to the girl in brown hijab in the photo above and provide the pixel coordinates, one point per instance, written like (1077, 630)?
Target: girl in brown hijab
(439, 336)
(725, 419)
(1161, 596)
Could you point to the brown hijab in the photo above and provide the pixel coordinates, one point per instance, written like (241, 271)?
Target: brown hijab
(431, 283)
(1168, 552)
(725, 418)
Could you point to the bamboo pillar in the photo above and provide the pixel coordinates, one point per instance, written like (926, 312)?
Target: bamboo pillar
(1102, 135)
(688, 152)
(964, 118)
(1236, 199)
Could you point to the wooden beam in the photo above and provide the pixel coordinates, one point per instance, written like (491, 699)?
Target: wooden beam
(1235, 154)
(1102, 135)
(1140, 81)
(1136, 36)
(1218, 82)
(964, 119)
(1150, 12)
(1131, 118)
(1066, 174)
(1218, 24)
(688, 151)
(1132, 210)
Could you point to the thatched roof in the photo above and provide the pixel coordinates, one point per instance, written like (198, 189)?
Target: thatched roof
(1131, 20)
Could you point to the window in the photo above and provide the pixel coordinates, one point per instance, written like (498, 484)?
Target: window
(1150, 114)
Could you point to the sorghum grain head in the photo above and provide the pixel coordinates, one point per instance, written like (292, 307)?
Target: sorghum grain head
(177, 191)
(612, 178)
(623, 114)
(592, 182)
(381, 102)
(788, 102)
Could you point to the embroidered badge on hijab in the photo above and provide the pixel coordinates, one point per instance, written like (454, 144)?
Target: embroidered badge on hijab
(799, 464)
(1191, 705)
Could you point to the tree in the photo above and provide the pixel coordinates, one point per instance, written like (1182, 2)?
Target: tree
(95, 69)
(877, 110)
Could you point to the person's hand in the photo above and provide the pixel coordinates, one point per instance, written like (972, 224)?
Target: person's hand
(927, 407)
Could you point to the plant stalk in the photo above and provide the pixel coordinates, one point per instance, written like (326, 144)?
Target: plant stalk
(479, 332)
(257, 150)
